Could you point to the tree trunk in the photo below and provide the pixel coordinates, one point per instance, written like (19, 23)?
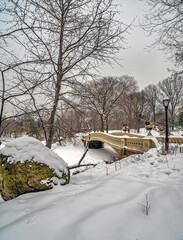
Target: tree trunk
(107, 124)
(57, 92)
(138, 124)
(173, 123)
(172, 118)
(52, 117)
(2, 102)
(154, 116)
(102, 123)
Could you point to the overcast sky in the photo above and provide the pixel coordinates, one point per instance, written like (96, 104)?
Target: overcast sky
(138, 61)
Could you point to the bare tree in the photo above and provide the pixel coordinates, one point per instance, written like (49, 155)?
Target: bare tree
(68, 37)
(15, 85)
(103, 95)
(11, 92)
(151, 94)
(134, 109)
(140, 108)
(165, 19)
(172, 87)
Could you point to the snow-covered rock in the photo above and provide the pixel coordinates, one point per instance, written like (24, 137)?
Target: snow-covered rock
(30, 149)
(26, 165)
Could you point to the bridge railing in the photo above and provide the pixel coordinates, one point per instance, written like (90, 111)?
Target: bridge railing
(135, 143)
(113, 140)
(127, 134)
(119, 142)
(178, 140)
(172, 139)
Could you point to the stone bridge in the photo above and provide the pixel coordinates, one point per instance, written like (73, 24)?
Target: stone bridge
(120, 144)
(124, 143)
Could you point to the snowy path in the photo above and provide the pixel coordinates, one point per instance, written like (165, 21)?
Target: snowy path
(72, 154)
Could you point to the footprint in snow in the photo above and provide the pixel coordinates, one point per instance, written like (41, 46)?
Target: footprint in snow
(24, 211)
(57, 202)
(30, 219)
(176, 169)
(168, 173)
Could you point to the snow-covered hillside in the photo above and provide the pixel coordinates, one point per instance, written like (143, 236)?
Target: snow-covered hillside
(102, 203)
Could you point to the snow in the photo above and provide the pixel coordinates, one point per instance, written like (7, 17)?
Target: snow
(30, 149)
(72, 154)
(102, 203)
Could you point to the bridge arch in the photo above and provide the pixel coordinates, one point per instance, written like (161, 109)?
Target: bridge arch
(121, 144)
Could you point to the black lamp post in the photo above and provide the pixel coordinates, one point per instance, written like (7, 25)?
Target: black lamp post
(166, 103)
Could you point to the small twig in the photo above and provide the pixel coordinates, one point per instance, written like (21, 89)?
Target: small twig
(82, 165)
(115, 166)
(147, 205)
(119, 164)
(84, 154)
(107, 172)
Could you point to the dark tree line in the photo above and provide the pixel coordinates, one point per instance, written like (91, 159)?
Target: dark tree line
(104, 103)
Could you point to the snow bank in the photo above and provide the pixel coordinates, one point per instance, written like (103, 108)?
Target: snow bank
(30, 149)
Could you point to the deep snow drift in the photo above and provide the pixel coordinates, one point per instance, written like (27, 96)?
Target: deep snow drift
(102, 203)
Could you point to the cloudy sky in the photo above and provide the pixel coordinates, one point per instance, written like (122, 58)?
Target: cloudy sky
(147, 66)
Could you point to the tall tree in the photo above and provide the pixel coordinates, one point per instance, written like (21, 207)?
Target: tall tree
(172, 87)
(103, 95)
(151, 95)
(165, 19)
(69, 37)
(133, 109)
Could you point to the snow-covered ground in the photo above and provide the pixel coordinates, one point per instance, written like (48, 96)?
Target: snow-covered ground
(105, 202)
(72, 154)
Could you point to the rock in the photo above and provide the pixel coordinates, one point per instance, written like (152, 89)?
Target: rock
(18, 178)
(26, 165)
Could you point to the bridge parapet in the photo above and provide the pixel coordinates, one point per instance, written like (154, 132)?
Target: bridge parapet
(178, 140)
(172, 139)
(121, 142)
(127, 134)
(118, 143)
